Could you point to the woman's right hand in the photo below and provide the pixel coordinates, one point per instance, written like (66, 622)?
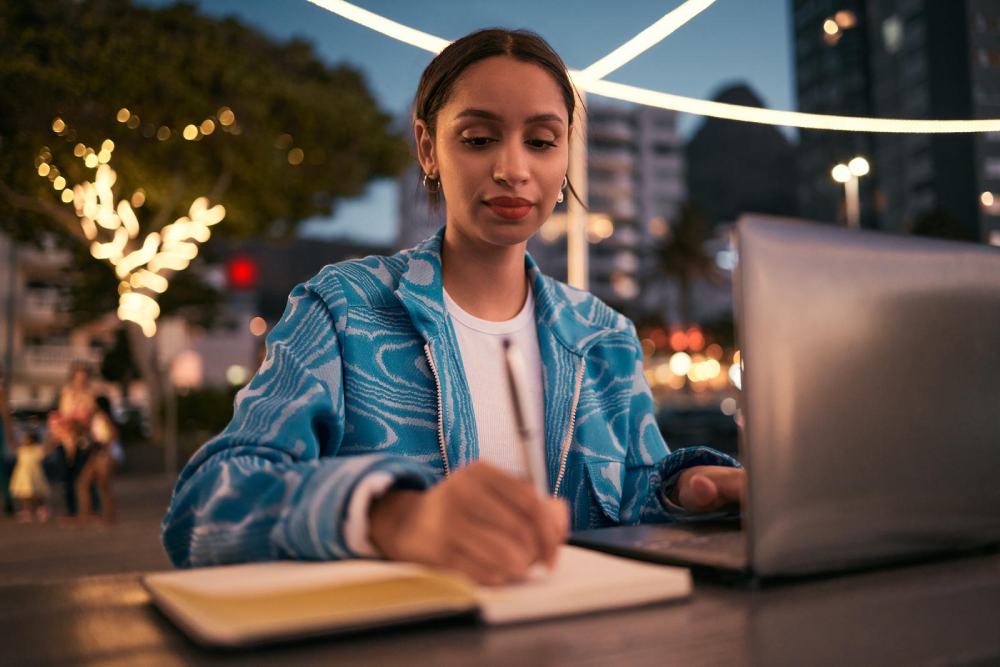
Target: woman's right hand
(481, 521)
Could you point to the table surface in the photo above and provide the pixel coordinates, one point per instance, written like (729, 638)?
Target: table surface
(944, 612)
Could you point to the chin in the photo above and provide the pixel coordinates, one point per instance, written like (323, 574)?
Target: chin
(508, 232)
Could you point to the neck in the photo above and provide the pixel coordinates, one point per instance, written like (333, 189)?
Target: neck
(485, 280)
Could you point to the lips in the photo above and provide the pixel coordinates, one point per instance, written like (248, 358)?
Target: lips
(509, 208)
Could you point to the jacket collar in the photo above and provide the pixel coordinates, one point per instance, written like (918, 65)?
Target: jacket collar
(558, 307)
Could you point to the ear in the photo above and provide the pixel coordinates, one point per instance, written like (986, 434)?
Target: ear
(425, 148)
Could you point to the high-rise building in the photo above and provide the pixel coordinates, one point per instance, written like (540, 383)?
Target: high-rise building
(735, 167)
(635, 171)
(903, 59)
(38, 341)
(831, 77)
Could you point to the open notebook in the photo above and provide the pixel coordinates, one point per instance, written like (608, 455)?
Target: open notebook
(240, 605)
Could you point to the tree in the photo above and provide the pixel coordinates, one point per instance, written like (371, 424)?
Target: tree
(682, 256)
(194, 106)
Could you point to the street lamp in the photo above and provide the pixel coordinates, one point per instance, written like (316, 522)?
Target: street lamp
(848, 174)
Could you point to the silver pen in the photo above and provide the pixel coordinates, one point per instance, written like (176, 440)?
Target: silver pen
(531, 453)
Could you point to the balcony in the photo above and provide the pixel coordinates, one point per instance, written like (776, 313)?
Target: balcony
(611, 160)
(50, 363)
(43, 307)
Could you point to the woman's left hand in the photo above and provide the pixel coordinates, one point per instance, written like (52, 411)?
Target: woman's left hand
(710, 488)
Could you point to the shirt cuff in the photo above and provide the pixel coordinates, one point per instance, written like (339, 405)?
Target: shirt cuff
(368, 490)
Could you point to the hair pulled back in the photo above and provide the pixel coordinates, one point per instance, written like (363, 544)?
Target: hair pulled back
(438, 79)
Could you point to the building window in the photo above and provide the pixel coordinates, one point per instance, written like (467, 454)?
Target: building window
(892, 34)
(991, 167)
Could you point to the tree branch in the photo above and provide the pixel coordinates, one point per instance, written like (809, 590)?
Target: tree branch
(166, 211)
(221, 185)
(67, 221)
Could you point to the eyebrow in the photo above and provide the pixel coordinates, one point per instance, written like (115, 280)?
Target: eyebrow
(489, 115)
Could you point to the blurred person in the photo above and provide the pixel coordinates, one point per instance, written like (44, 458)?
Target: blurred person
(6, 447)
(379, 423)
(69, 426)
(100, 466)
(28, 485)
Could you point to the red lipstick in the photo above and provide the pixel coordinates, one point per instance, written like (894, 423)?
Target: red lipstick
(509, 208)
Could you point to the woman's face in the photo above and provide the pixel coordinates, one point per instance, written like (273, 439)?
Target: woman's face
(501, 150)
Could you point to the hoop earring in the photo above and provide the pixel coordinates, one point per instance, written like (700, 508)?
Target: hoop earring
(431, 184)
(560, 197)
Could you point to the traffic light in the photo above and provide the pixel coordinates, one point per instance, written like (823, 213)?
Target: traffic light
(242, 273)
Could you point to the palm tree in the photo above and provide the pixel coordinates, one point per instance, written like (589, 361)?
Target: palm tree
(682, 256)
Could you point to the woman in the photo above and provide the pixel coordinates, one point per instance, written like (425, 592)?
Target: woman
(378, 424)
(69, 426)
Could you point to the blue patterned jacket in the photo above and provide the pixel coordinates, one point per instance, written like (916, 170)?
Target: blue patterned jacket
(363, 374)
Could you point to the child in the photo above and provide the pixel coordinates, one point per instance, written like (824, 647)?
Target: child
(28, 485)
(100, 465)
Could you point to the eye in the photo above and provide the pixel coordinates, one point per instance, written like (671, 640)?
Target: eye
(541, 144)
(477, 142)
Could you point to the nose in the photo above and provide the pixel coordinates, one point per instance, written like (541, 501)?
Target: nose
(512, 164)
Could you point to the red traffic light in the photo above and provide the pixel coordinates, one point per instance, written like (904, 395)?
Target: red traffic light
(242, 273)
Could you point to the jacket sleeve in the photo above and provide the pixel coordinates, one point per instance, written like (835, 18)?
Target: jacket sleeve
(271, 484)
(651, 469)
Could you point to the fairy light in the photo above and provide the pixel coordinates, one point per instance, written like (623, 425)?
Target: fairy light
(646, 39)
(813, 121)
(171, 249)
(695, 106)
(406, 34)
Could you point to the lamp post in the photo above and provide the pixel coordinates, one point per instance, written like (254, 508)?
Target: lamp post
(578, 270)
(848, 174)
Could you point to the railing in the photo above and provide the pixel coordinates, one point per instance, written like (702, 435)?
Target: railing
(50, 361)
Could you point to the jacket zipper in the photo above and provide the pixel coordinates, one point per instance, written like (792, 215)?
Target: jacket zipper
(437, 385)
(572, 424)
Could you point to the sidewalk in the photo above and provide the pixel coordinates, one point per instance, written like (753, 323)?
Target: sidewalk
(50, 552)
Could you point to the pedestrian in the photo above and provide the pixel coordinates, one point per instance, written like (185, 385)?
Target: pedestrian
(379, 424)
(69, 426)
(6, 447)
(28, 485)
(100, 466)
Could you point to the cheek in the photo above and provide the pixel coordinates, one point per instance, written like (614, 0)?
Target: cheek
(461, 175)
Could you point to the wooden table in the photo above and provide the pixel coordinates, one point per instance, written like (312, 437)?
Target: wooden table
(933, 613)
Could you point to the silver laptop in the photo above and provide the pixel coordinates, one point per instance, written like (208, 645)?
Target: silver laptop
(871, 405)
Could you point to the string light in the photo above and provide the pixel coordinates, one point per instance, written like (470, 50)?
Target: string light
(646, 39)
(406, 34)
(678, 103)
(814, 121)
(171, 249)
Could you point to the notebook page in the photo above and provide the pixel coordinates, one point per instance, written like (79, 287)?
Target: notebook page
(582, 581)
(246, 604)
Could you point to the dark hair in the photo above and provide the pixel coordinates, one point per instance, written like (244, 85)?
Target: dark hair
(439, 77)
(79, 365)
(103, 404)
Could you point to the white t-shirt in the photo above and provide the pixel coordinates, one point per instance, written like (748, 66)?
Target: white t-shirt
(481, 345)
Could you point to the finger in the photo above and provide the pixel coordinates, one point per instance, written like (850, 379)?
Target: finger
(731, 483)
(522, 497)
(698, 493)
(495, 552)
(480, 507)
(516, 492)
(477, 571)
(557, 528)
